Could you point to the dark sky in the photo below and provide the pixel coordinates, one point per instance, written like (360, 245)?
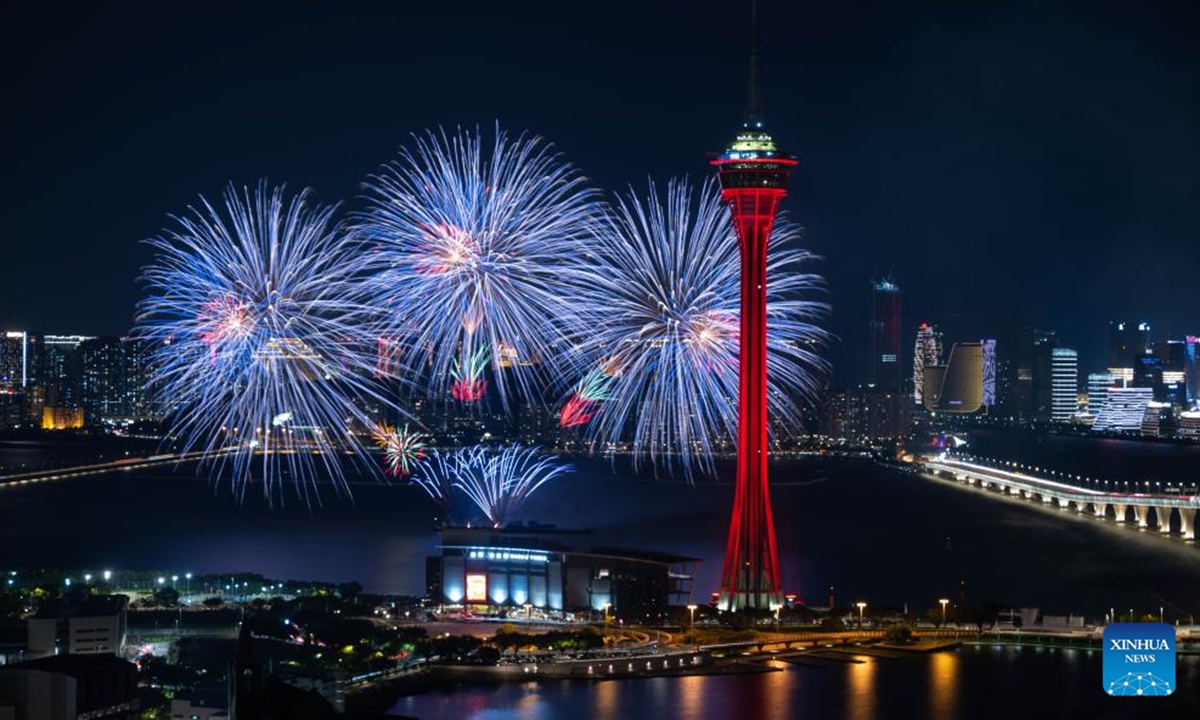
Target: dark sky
(1034, 157)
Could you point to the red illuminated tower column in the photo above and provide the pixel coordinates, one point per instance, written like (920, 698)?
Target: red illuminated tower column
(753, 175)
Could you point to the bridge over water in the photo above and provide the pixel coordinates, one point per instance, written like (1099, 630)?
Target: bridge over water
(1103, 504)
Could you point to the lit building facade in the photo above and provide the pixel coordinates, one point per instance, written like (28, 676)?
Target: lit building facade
(1123, 410)
(62, 418)
(927, 351)
(866, 414)
(884, 367)
(1191, 369)
(60, 370)
(113, 383)
(521, 568)
(1064, 381)
(1097, 390)
(15, 360)
(957, 386)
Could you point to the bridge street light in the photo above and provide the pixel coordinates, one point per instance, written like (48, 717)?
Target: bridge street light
(861, 606)
(944, 602)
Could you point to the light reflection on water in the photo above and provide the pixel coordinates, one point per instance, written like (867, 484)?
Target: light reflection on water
(973, 682)
(861, 694)
(943, 685)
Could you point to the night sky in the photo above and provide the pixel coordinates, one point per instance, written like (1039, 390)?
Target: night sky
(1032, 157)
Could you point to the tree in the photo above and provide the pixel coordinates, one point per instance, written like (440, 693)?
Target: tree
(349, 590)
(898, 633)
(10, 605)
(213, 602)
(167, 596)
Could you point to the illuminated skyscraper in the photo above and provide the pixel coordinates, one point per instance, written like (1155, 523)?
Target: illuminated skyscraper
(14, 360)
(1064, 384)
(1097, 387)
(883, 369)
(1191, 368)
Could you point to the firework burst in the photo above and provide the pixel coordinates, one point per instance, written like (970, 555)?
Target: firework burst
(253, 340)
(585, 401)
(666, 339)
(402, 448)
(495, 481)
(469, 246)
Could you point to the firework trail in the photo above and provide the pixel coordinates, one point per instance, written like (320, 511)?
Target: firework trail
(402, 449)
(469, 247)
(667, 282)
(584, 403)
(254, 342)
(496, 481)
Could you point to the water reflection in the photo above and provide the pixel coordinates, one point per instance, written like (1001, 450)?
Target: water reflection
(775, 694)
(971, 683)
(943, 685)
(606, 700)
(861, 693)
(691, 696)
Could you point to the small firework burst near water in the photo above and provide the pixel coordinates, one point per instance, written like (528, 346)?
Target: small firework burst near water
(495, 481)
(666, 281)
(469, 247)
(255, 345)
(402, 448)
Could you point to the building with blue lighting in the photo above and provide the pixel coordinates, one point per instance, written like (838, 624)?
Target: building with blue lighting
(522, 567)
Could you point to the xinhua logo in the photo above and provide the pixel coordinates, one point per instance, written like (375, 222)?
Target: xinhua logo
(1139, 659)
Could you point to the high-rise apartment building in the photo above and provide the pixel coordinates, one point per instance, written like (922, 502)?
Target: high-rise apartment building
(15, 360)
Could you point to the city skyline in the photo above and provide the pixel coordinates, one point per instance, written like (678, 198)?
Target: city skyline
(936, 159)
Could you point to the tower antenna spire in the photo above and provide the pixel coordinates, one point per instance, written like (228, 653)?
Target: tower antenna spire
(754, 85)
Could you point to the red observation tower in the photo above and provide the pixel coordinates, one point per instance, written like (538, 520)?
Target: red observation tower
(753, 173)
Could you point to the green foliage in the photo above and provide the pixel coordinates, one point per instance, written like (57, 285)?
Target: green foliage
(167, 596)
(898, 634)
(832, 622)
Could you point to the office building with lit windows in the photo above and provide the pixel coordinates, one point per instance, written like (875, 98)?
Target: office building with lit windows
(1064, 384)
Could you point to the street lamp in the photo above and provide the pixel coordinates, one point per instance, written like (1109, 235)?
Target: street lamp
(692, 622)
(87, 578)
(161, 581)
(861, 606)
(944, 603)
(189, 583)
